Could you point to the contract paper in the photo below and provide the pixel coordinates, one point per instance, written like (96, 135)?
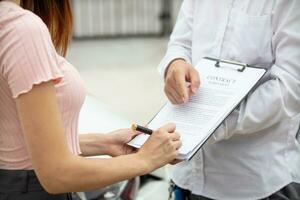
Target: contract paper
(222, 89)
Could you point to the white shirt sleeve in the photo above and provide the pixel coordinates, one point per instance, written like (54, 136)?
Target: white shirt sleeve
(181, 39)
(279, 98)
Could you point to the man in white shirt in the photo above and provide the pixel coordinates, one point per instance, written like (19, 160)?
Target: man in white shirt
(254, 154)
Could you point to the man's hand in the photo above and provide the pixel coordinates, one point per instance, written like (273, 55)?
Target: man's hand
(178, 74)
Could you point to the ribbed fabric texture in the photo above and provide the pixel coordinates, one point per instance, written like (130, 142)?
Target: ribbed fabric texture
(28, 57)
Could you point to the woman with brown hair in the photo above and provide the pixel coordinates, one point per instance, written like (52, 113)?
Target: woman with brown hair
(40, 98)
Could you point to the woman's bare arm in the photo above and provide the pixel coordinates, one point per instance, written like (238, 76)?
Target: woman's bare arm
(112, 143)
(60, 171)
(94, 144)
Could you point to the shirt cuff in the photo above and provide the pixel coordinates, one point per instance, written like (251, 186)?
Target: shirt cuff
(164, 64)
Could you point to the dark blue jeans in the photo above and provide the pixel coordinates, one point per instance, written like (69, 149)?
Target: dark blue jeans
(24, 185)
(289, 192)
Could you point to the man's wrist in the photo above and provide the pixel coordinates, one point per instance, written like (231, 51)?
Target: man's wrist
(171, 62)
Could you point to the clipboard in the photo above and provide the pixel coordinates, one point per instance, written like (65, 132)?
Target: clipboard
(221, 79)
(240, 67)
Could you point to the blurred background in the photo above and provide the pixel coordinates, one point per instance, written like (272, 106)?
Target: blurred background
(117, 46)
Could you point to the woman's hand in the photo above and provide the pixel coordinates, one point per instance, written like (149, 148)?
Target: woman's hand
(118, 142)
(162, 147)
(113, 144)
(178, 74)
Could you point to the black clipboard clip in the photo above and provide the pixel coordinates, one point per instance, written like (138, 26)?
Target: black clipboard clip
(242, 66)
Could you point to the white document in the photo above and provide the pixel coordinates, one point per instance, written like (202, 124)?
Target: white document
(222, 89)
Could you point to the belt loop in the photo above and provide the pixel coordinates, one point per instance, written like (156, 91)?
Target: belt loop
(26, 182)
(171, 189)
(69, 196)
(187, 194)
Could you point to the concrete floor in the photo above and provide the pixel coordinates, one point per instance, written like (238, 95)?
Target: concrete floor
(122, 73)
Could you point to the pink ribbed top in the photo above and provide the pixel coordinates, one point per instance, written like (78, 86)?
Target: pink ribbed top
(28, 57)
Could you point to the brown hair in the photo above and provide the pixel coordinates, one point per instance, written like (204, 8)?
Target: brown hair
(57, 15)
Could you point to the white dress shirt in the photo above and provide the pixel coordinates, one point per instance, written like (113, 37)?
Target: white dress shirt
(255, 152)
